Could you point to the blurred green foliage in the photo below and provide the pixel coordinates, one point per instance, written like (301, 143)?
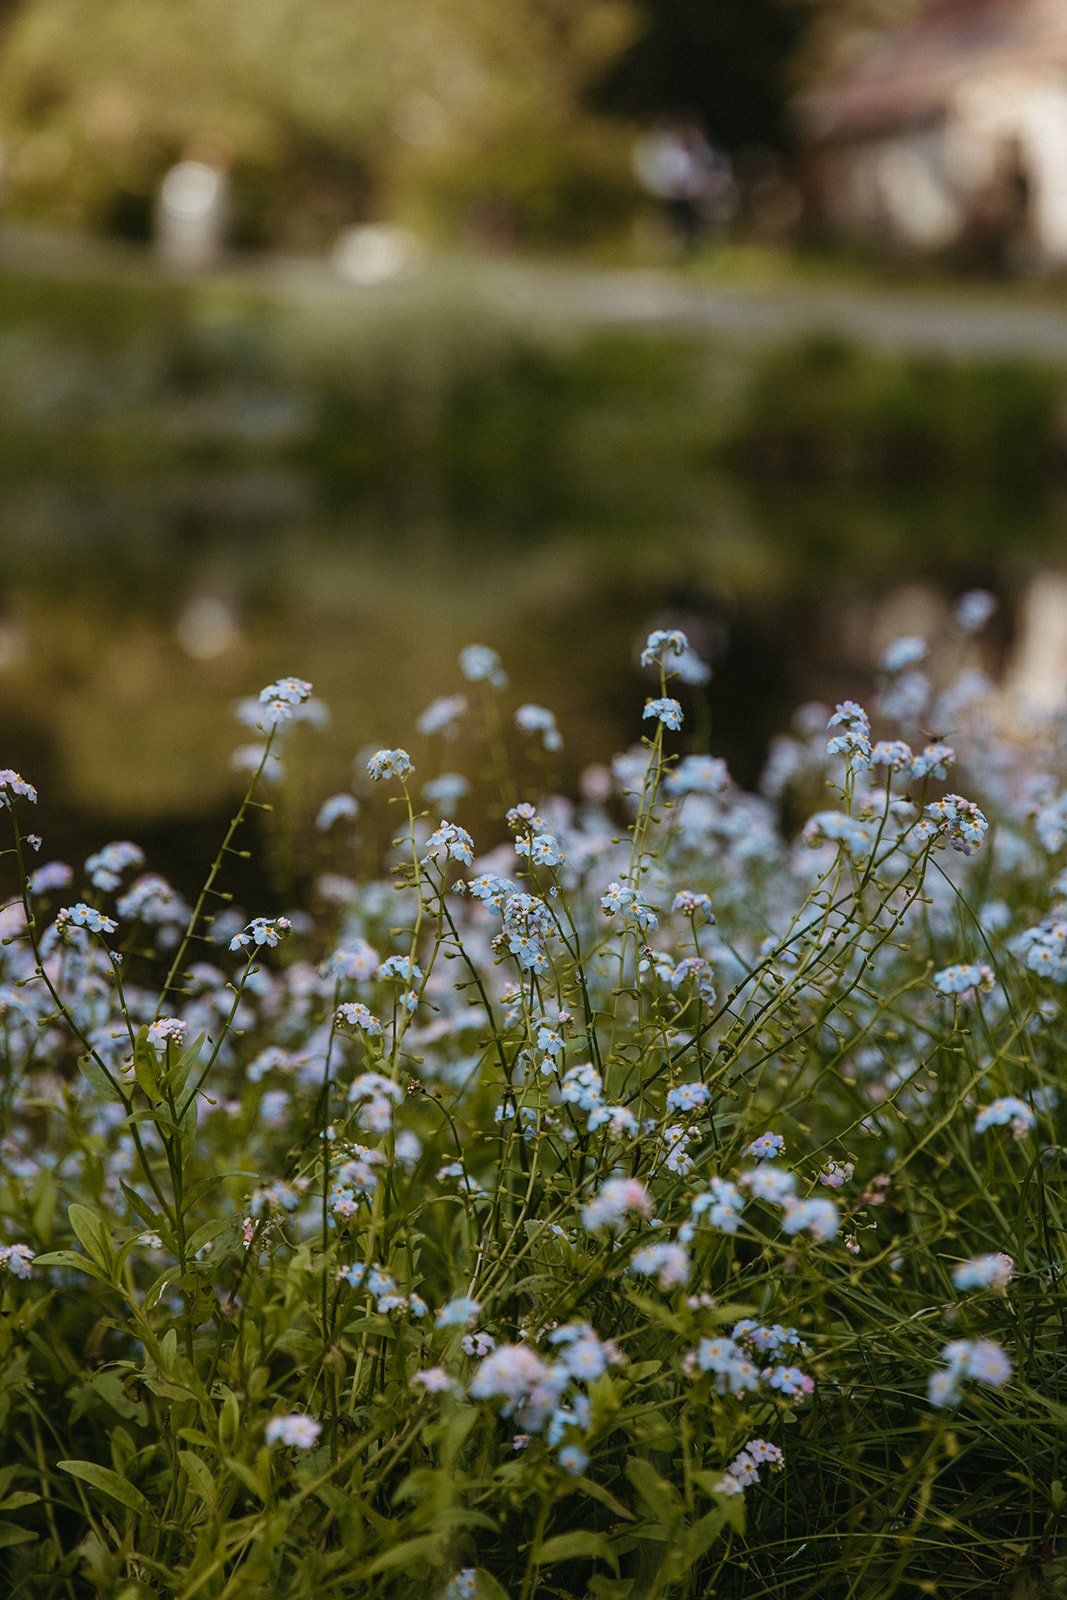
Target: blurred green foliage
(499, 119)
(826, 407)
(328, 113)
(438, 383)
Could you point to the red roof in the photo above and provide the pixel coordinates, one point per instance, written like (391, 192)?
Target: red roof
(911, 73)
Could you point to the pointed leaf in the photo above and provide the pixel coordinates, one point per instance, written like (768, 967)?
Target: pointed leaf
(98, 1078)
(580, 1545)
(10, 1535)
(486, 1586)
(199, 1474)
(178, 1075)
(142, 1208)
(71, 1258)
(91, 1235)
(109, 1483)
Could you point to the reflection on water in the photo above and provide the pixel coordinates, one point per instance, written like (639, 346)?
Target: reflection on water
(132, 620)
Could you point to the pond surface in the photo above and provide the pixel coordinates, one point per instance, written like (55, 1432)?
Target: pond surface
(131, 621)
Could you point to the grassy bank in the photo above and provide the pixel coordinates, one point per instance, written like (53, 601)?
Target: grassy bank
(437, 386)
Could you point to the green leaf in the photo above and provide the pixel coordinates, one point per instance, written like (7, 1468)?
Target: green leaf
(154, 1117)
(702, 1535)
(44, 1205)
(656, 1492)
(167, 1391)
(142, 1208)
(109, 1483)
(110, 1388)
(486, 1586)
(205, 1234)
(146, 1067)
(199, 1474)
(427, 1547)
(98, 1079)
(10, 1535)
(581, 1545)
(21, 1497)
(92, 1235)
(251, 1479)
(179, 1072)
(70, 1258)
(205, 1186)
(596, 1491)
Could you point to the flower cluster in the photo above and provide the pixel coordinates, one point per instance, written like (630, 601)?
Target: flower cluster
(548, 1396)
(16, 1259)
(980, 1359)
(619, 899)
(262, 931)
(965, 979)
(854, 740)
(14, 786)
(83, 916)
(536, 719)
(296, 1429)
(744, 1469)
(664, 710)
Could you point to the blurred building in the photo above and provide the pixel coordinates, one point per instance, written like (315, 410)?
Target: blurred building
(950, 136)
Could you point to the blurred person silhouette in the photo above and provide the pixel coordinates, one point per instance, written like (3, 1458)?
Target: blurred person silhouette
(193, 209)
(996, 231)
(693, 181)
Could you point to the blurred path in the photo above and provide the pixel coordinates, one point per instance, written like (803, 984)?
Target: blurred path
(1014, 321)
(964, 321)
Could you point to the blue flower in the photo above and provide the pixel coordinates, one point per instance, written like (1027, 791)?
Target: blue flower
(12, 784)
(661, 643)
(268, 931)
(572, 1459)
(974, 609)
(459, 1313)
(537, 719)
(450, 842)
(1009, 1108)
(443, 715)
(336, 807)
(106, 866)
(389, 764)
(905, 652)
(855, 739)
(479, 664)
(965, 978)
(443, 791)
(664, 710)
(83, 916)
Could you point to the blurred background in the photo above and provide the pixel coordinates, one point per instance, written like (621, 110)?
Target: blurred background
(335, 336)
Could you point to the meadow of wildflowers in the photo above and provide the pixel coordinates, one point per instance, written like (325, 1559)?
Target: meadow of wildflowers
(664, 1201)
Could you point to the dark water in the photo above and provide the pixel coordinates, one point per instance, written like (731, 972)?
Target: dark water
(131, 620)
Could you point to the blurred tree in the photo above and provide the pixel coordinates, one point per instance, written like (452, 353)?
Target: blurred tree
(725, 62)
(735, 64)
(483, 113)
(328, 111)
